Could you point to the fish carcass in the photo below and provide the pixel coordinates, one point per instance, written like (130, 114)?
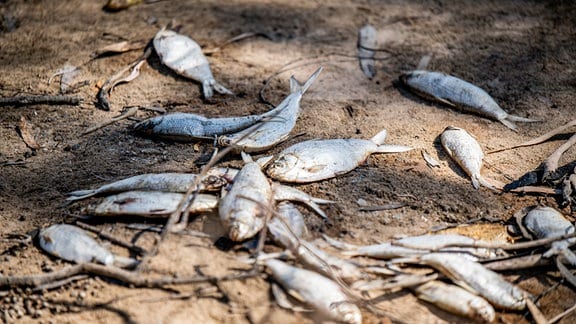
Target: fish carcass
(465, 150)
(316, 160)
(456, 92)
(280, 122)
(184, 56)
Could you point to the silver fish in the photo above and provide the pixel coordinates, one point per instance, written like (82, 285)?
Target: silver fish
(465, 150)
(183, 55)
(260, 137)
(547, 222)
(189, 127)
(214, 179)
(366, 46)
(316, 160)
(458, 93)
(321, 293)
(282, 192)
(473, 276)
(73, 244)
(287, 225)
(456, 300)
(243, 210)
(150, 204)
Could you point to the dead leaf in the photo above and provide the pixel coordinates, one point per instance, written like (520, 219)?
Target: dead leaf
(25, 129)
(120, 47)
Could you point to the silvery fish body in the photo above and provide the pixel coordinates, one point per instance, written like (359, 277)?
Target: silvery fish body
(321, 293)
(281, 121)
(457, 92)
(214, 179)
(73, 244)
(184, 56)
(243, 209)
(547, 222)
(288, 225)
(150, 204)
(316, 160)
(456, 300)
(190, 127)
(473, 276)
(366, 46)
(329, 265)
(465, 150)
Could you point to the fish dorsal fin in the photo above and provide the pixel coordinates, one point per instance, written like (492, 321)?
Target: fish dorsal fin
(380, 137)
(246, 157)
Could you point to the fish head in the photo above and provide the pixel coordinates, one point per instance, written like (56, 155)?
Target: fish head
(145, 127)
(244, 224)
(346, 312)
(240, 231)
(482, 310)
(283, 165)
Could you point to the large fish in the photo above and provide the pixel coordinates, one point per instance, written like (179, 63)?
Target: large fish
(458, 93)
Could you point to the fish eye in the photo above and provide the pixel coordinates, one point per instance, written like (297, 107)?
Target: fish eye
(287, 161)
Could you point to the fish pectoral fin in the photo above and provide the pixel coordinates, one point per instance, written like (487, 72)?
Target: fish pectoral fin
(445, 101)
(316, 168)
(296, 295)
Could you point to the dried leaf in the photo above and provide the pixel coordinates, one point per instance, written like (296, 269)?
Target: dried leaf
(25, 129)
(430, 161)
(120, 47)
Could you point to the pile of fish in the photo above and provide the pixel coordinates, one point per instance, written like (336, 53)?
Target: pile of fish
(330, 277)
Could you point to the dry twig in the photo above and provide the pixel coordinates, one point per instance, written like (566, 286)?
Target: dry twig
(129, 113)
(28, 100)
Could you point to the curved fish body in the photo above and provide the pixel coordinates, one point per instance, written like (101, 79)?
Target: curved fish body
(214, 180)
(288, 226)
(184, 56)
(187, 127)
(243, 210)
(319, 292)
(73, 244)
(317, 160)
(456, 300)
(475, 277)
(281, 121)
(150, 204)
(465, 150)
(329, 265)
(546, 222)
(456, 92)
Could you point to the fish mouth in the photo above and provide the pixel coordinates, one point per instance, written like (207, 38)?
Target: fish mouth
(239, 232)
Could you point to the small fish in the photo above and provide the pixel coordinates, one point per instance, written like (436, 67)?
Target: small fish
(190, 127)
(547, 222)
(316, 160)
(474, 277)
(456, 300)
(73, 244)
(243, 210)
(214, 180)
(366, 46)
(319, 292)
(456, 92)
(287, 225)
(465, 150)
(261, 137)
(150, 204)
(183, 55)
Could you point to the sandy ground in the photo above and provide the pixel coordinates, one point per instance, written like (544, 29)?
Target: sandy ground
(521, 52)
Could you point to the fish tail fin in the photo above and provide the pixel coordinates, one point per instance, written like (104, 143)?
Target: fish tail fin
(207, 89)
(296, 86)
(380, 137)
(388, 148)
(509, 124)
(124, 262)
(521, 119)
(80, 194)
(221, 89)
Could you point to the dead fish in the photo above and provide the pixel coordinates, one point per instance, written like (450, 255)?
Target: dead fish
(458, 93)
(474, 277)
(465, 150)
(287, 225)
(243, 210)
(261, 137)
(316, 160)
(150, 204)
(546, 222)
(190, 127)
(184, 56)
(73, 244)
(366, 46)
(214, 179)
(319, 292)
(456, 300)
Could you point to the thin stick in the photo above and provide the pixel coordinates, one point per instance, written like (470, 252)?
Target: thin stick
(112, 239)
(234, 39)
(535, 311)
(39, 100)
(539, 139)
(562, 315)
(59, 283)
(551, 163)
(129, 113)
